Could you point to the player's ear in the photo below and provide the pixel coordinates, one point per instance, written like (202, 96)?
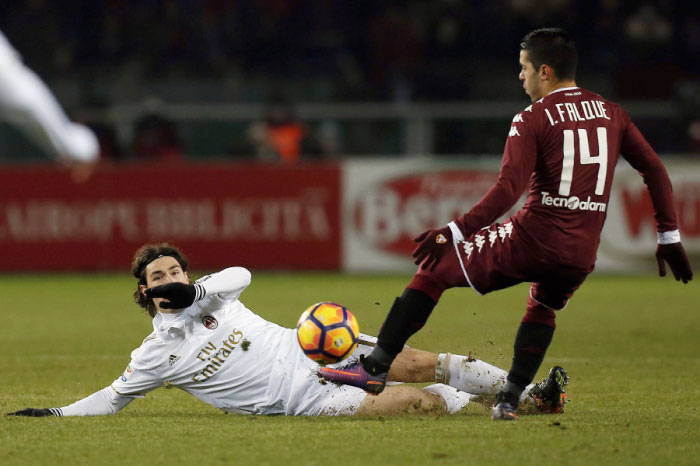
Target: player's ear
(142, 289)
(545, 72)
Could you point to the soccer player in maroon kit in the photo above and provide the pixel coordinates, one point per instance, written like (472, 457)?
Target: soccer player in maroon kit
(563, 148)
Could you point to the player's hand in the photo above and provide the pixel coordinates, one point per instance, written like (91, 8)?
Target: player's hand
(32, 412)
(82, 172)
(433, 246)
(79, 172)
(178, 295)
(677, 260)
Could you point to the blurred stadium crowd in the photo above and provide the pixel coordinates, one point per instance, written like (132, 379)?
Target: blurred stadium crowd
(97, 54)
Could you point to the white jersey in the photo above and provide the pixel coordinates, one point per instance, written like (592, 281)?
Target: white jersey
(225, 355)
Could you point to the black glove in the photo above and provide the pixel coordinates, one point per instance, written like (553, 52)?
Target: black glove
(32, 412)
(677, 260)
(178, 295)
(433, 245)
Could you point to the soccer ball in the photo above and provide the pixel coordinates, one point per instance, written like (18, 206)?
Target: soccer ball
(327, 332)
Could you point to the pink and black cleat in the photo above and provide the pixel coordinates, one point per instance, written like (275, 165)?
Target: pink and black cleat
(355, 374)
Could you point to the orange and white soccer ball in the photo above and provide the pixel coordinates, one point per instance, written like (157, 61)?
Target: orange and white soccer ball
(327, 332)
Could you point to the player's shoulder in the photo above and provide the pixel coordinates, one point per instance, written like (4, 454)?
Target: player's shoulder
(613, 110)
(526, 113)
(150, 350)
(526, 119)
(587, 94)
(150, 340)
(532, 113)
(583, 94)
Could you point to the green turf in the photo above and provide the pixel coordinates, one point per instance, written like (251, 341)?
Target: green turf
(631, 345)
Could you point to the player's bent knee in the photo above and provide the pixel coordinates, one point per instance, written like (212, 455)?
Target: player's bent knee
(412, 365)
(538, 313)
(398, 400)
(427, 284)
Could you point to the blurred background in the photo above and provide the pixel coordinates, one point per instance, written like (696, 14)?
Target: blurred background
(169, 79)
(312, 134)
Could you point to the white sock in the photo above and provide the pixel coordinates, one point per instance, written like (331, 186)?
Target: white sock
(471, 375)
(455, 400)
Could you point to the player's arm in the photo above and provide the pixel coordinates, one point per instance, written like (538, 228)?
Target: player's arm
(100, 403)
(139, 378)
(27, 101)
(516, 169)
(229, 283)
(518, 163)
(640, 155)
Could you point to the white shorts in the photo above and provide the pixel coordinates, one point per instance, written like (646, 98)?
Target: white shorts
(345, 400)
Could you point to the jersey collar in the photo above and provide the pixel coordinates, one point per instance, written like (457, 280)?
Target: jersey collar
(175, 326)
(564, 89)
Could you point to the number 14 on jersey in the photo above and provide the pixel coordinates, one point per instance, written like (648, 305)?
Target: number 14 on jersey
(567, 172)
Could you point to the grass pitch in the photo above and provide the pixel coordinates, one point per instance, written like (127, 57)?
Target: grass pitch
(631, 346)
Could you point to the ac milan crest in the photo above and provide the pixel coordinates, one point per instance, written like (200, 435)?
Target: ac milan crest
(210, 322)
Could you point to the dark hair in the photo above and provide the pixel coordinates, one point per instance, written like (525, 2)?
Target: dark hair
(144, 256)
(552, 47)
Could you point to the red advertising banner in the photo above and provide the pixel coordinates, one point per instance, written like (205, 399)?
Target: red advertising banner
(254, 216)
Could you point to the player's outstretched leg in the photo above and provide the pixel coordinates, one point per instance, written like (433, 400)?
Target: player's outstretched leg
(405, 399)
(407, 315)
(355, 374)
(549, 395)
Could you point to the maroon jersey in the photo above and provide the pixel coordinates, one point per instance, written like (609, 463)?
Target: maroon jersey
(564, 149)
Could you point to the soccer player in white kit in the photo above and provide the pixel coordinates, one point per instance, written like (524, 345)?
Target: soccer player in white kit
(26, 102)
(207, 343)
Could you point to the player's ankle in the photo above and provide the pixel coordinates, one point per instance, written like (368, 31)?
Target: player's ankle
(373, 366)
(508, 397)
(381, 356)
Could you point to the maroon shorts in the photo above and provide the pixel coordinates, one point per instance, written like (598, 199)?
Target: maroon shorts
(497, 257)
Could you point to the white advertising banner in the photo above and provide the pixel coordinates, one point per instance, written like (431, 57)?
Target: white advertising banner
(387, 203)
(628, 241)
